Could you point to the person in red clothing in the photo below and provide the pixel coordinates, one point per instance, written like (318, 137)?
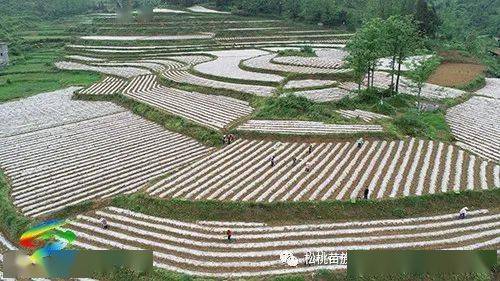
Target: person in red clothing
(229, 234)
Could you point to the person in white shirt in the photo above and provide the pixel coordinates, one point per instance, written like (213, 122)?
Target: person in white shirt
(463, 213)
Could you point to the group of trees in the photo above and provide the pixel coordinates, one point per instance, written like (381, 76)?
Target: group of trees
(396, 37)
(349, 13)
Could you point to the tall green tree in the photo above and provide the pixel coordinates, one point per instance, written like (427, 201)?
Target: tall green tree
(427, 18)
(420, 72)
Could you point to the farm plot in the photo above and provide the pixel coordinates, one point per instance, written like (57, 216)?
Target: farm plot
(326, 58)
(108, 86)
(149, 38)
(265, 62)
(326, 171)
(361, 114)
(191, 60)
(492, 88)
(209, 110)
(338, 38)
(153, 66)
(126, 72)
(97, 158)
(199, 248)
(324, 95)
(48, 110)
(431, 91)
(475, 124)
(292, 127)
(85, 59)
(386, 63)
(308, 83)
(227, 66)
(183, 76)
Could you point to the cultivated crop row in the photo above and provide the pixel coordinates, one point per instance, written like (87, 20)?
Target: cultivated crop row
(265, 62)
(202, 250)
(307, 83)
(47, 110)
(305, 127)
(108, 86)
(227, 66)
(126, 72)
(209, 110)
(361, 114)
(266, 171)
(183, 76)
(324, 95)
(475, 124)
(97, 158)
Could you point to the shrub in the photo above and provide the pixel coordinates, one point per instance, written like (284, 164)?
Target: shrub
(410, 123)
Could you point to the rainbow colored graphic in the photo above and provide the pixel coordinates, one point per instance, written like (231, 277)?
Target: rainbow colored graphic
(50, 236)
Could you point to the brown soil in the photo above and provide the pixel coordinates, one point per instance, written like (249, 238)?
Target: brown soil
(455, 74)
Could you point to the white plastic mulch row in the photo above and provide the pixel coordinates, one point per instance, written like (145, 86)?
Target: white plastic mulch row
(475, 123)
(209, 110)
(108, 86)
(265, 62)
(116, 154)
(243, 172)
(48, 110)
(326, 58)
(339, 38)
(227, 66)
(492, 88)
(191, 59)
(201, 9)
(361, 114)
(201, 250)
(324, 95)
(149, 38)
(386, 63)
(151, 65)
(406, 86)
(171, 11)
(307, 83)
(305, 127)
(85, 58)
(122, 71)
(196, 48)
(183, 76)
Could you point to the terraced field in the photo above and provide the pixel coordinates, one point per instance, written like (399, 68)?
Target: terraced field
(430, 91)
(58, 152)
(108, 86)
(244, 171)
(49, 110)
(227, 66)
(293, 127)
(475, 124)
(125, 72)
(209, 110)
(265, 62)
(200, 249)
(324, 95)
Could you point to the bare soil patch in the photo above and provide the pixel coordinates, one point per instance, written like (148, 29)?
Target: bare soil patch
(455, 74)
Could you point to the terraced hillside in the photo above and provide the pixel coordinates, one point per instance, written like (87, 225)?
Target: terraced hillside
(475, 125)
(99, 152)
(200, 248)
(245, 171)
